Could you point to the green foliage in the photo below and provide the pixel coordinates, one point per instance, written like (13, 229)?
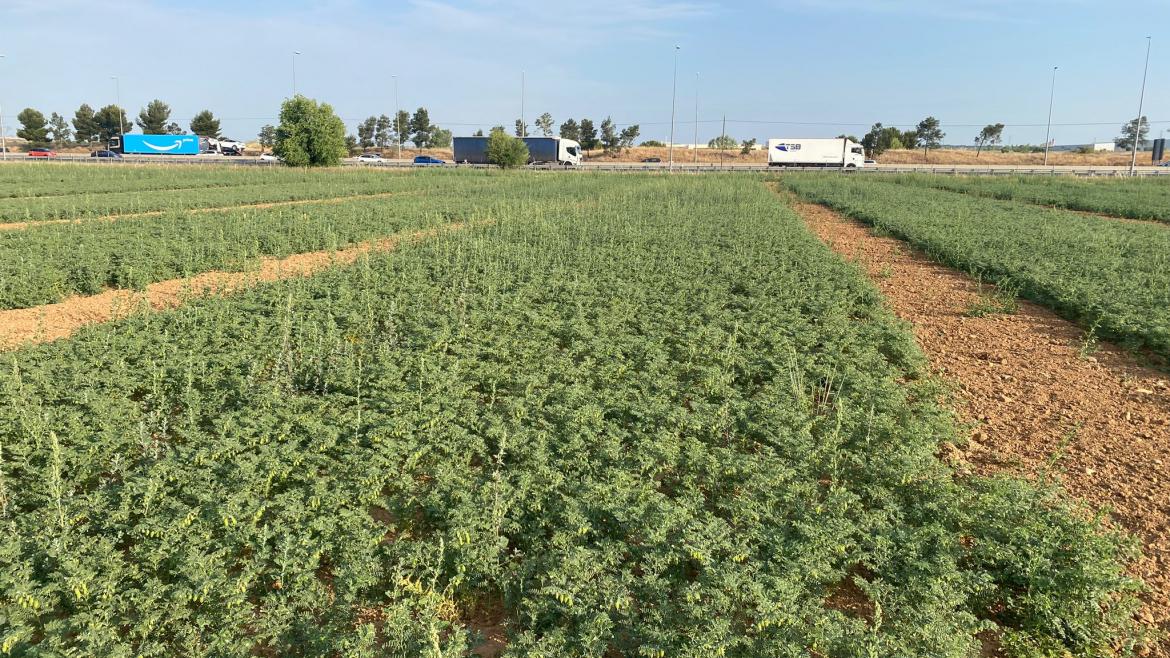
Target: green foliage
(881, 138)
(1139, 128)
(991, 134)
(309, 134)
(33, 127)
(570, 130)
(748, 146)
(545, 123)
(506, 151)
(153, 118)
(588, 139)
(85, 127)
(402, 127)
(723, 142)
(420, 127)
(59, 132)
(383, 131)
(205, 124)
(111, 120)
(366, 131)
(1088, 269)
(653, 143)
(928, 134)
(441, 138)
(627, 136)
(520, 128)
(610, 140)
(267, 136)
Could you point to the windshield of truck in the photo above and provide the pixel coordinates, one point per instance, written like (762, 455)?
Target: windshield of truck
(572, 150)
(857, 150)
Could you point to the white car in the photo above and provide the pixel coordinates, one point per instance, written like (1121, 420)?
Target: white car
(269, 157)
(370, 157)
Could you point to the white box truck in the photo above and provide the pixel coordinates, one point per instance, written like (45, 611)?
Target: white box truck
(803, 152)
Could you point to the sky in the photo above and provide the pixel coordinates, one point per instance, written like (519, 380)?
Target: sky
(773, 68)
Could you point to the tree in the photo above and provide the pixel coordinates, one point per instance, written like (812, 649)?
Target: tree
(627, 137)
(506, 151)
(267, 136)
(723, 142)
(309, 134)
(59, 127)
(351, 145)
(383, 131)
(848, 137)
(906, 139)
(365, 132)
(521, 128)
(441, 138)
(654, 143)
(991, 134)
(173, 128)
(609, 135)
(545, 123)
(153, 118)
(881, 138)
(112, 120)
(497, 129)
(748, 145)
(205, 124)
(928, 134)
(1125, 140)
(588, 135)
(421, 127)
(33, 127)
(477, 133)
(85, 128)
(570, 130)
(402, 127)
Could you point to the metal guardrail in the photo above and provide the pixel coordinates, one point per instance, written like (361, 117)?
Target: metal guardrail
(631, 167)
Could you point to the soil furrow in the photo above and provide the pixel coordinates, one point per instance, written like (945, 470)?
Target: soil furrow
(1042, 397)
(49, 322)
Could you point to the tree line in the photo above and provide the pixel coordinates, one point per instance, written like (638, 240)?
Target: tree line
(585, 133)
(89, 125)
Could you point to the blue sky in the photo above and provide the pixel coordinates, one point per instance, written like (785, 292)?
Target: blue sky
(791, 68)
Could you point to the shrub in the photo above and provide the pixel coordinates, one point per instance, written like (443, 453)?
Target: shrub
(309, 134)
(506, 150)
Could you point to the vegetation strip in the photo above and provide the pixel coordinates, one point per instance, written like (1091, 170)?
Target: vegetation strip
(1112, 278)
(1042, 401)
(630, 428)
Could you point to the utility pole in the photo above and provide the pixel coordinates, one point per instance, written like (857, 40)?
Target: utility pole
(673, 96)
(1137, 133)
(397, 117)
(3, 141)
(118, 101)
(523, 126)
(294, 71)
(696, 117)
(1048, 133)
(722, 132)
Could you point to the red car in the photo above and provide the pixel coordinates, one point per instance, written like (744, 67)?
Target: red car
(42, 153)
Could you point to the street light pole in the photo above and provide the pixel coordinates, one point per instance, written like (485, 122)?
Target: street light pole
(696, 159)
(1137, 132)
(523, 126)
(294, 71)
(118, 101)
(3, 141)
(673, 96)
(1048, 133)
(397, 117)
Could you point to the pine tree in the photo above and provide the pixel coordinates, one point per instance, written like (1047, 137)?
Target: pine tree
(205, 124)
(153, 118)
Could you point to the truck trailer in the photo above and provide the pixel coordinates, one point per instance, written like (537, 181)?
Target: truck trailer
(155, 144)
(804, 152)
(541, 150)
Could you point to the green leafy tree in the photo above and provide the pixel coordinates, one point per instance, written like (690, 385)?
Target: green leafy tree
(627, 136)
(881, 138)
(588, 135)
(609, 135)
(383, 131)
(205, 124)
(506, 151)
(59, 131)
(497, 129)
(521, 128)
(33, 127)
(366, 131)
(570, 130)
(1130, 130)
(112, 120)
(928, 134)
(441, 138)
(402, 127)
(545, 123)
(908, 139)
(85, 128)
(153, 118)
(267, 136)
(478, 133)
(309, 134)
(990, 135)
(351, 145)
(173, 128)
(748, 145)
(653, 142)
(723, 142)
(421, 127)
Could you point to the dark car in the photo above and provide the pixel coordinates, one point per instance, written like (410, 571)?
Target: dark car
(42, 153)
(651, 159)
(106, 154)
(427, 160)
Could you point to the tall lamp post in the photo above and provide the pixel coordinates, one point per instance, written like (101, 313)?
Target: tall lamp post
(397, 116)
(696, 159)
(3, 141)
(523, 126)
(118, 101)
(1048, 133)
(673, 96)
(294, 71)
(1137, 132)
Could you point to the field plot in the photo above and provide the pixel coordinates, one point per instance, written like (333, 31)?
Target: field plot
(1112, 277)
(1130, 198)
(645, 416)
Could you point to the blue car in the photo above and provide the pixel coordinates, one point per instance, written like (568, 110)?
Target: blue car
(427, 160)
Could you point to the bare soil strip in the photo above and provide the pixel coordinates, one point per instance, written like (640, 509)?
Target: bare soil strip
(50, 322)
(1041, 399)
(14, 226)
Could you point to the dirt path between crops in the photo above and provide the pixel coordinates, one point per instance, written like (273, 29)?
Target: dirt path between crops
(49, 322)
(15, 226)
(1035, 394)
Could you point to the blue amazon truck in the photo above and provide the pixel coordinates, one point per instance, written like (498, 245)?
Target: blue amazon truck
(156, 144)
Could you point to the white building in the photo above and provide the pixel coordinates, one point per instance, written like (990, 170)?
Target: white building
(1104, 146)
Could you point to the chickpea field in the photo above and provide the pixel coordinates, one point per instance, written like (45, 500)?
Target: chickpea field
(612, 415)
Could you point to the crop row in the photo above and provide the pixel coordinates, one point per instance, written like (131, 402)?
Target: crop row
(1112, 277)
(45, 264)
(622, 427)
(1140, 198)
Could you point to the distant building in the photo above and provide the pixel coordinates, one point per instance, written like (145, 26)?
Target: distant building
(1104, 146)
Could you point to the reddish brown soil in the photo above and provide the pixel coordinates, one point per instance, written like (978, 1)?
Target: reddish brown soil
(1098, 419)
(15, 226)
(52, 321)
